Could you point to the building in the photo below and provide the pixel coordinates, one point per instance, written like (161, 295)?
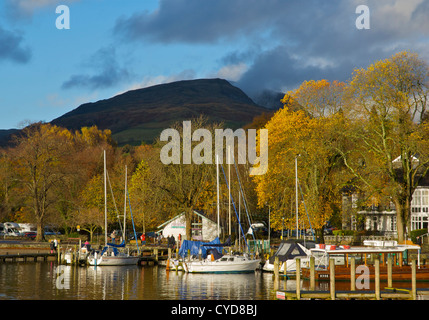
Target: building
(382, 218)
(203, 229)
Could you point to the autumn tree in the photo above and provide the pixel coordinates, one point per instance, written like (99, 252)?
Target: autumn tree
(310, 140)
(82, 164)
(90, 212)
(184, 184)
(388, 130)
(38, 162)
(319, 99)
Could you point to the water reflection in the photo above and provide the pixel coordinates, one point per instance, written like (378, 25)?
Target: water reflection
(47, 280)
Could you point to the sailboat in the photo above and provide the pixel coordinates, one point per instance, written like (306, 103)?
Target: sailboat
(215, 262)
(110, 255)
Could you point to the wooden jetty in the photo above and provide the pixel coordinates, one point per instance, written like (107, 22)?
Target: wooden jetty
(378, 294)
(152, 256)
(35, 256)
(393, 262)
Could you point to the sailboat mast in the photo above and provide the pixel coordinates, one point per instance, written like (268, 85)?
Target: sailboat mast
(105, 199)
(125, 206)
(217, 187)
(296, 194)
(229, 189)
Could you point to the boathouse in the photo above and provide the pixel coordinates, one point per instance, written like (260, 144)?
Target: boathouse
(203, 229)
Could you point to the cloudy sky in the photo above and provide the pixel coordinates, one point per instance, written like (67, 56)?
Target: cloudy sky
(113, 46)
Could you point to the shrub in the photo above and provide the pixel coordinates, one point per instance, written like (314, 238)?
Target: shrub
(415, 233)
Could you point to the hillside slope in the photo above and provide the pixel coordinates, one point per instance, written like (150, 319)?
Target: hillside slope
(140, 115)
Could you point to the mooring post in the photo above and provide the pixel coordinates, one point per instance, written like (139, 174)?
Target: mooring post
(312, 274)
(413, 280)
(276, 273)
(298, 277)
(389, 272)
(332, 278)
(377, 278)
(353, 274)
(155, 252)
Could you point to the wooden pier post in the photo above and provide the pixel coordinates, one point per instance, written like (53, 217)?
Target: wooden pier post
(276, 273)
(298, 277)
(377, 278)
(389, 272)
(332, 278)
(353, 274)
(312, 274)
(155, 252)
(413, 280)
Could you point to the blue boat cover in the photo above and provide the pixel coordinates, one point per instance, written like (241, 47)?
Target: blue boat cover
(196, 246)
(114, 246)
(121, 245)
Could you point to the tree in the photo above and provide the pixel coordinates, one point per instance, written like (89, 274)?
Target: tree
(146, 202)
(318, 98)
(38, 162)
(388, 130)
(184, 184)
(311, 140)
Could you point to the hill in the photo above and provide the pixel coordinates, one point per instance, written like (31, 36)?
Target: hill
(140, 115)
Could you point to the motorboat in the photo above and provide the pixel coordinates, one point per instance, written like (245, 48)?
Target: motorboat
(287, 254)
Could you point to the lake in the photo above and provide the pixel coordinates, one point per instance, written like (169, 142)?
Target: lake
(48, 280)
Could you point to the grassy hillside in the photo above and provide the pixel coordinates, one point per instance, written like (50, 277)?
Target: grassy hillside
(140, 115)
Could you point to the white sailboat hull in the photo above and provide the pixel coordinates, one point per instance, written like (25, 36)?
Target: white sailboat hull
(239, 265)
(113, 261)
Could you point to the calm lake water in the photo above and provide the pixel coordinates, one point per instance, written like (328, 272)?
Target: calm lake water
(48, 280)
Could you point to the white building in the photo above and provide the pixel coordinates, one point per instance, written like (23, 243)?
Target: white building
(203, 229)
(383, 219)
(420, 208)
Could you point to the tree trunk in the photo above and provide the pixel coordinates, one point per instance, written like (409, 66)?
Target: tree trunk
(188, 218)
(402, 206)
(40, 234)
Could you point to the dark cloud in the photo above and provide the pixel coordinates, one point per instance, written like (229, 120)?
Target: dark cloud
(196, 21)
(12, 48)
(287, 42)
(107, 73)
